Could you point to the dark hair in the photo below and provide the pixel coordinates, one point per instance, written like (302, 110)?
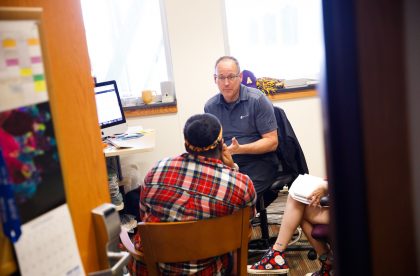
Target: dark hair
(202, 131)
(229, 58)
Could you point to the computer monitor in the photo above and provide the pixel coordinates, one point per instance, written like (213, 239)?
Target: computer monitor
(110, 112)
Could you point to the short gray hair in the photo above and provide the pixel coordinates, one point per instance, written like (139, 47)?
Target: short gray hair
(227, 58)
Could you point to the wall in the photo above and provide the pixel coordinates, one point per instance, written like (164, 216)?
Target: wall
(196, 41)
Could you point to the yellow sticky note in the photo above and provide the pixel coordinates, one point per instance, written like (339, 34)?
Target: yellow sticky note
(33, 41)
(25, 72)
(9, 43)
(40, 86)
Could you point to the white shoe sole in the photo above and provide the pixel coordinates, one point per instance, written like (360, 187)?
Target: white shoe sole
(273, 271)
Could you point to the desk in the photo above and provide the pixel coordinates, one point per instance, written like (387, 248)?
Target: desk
(142, 144)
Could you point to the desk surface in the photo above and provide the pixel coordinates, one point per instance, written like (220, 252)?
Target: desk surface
(142, 144)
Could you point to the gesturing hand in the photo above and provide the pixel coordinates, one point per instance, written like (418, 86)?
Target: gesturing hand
(234, 147)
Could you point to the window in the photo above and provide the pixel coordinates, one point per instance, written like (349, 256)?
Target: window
(276, 38)
(126, 43)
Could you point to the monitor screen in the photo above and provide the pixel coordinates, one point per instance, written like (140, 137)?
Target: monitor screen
(110, 112)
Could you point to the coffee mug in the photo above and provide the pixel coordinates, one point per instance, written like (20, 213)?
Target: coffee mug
(147, 96)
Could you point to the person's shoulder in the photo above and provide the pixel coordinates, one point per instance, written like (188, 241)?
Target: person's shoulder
(162, 166)
(253, 93)
(166, 159)
(243, 182)
(165, 162)
(257, 98)
(241, 177)
(213, 100)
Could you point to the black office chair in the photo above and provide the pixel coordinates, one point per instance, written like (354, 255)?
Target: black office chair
(292, 163)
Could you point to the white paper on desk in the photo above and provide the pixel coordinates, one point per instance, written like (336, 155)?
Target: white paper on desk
(303, 186)
(121, 143)
(48, 245)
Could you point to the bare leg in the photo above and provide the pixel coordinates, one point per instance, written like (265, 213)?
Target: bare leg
(317, 215)
(293, 215)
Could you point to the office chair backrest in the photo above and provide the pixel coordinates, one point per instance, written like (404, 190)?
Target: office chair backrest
(169, 242)
(289, 150)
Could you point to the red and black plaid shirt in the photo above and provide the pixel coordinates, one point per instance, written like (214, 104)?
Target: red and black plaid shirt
(190, 187)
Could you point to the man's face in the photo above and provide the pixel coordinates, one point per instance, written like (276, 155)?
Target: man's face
(228, 79)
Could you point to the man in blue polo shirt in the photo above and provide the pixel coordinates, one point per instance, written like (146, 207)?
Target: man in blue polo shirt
(249, 124)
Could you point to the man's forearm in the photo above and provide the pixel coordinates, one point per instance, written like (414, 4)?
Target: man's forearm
(261, 146)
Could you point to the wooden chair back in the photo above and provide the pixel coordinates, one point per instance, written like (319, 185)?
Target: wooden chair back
(168, 242)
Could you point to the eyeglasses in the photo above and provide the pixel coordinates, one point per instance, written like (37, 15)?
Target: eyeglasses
(229, 78)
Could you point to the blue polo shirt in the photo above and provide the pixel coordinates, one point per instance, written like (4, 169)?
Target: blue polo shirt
(246, 119)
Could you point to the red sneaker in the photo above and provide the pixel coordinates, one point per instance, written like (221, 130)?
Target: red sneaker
(273, 262)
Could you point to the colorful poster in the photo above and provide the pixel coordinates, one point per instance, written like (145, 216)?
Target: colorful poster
(22, 75)
(30, 151)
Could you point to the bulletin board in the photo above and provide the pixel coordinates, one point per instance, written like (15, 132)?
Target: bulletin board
(32, 194)
(26, 126)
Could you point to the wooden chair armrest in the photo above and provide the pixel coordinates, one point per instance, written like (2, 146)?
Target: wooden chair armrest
(129, 246)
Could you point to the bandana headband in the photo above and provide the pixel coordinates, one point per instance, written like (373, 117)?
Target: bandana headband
(210, 147)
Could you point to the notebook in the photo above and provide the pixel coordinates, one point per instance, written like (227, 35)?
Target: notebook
(303, 186)
(126, 140)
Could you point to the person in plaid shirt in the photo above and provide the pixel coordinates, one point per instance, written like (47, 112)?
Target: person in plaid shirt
(202, 183)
